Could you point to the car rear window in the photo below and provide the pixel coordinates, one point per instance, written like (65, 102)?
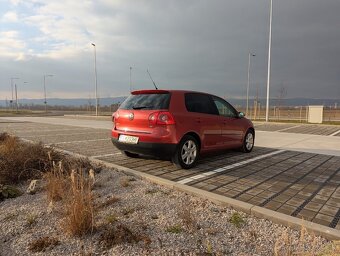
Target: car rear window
(147, 101)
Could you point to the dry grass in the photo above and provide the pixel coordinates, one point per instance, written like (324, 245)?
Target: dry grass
(286, 245)
(42, 244)
(185, 213)
(108, 202)
(118, 234)
(20, 161)
(79, 206)
(56, 184)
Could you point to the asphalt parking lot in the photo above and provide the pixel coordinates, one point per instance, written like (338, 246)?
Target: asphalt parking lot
(299, 184)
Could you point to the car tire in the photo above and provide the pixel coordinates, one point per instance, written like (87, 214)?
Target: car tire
(187, 153)
(248, 141)
(129, 154)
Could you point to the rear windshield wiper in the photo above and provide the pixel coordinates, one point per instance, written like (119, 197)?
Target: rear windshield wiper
(141, 107)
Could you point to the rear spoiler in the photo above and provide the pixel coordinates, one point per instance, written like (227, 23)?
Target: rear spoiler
(150, 92)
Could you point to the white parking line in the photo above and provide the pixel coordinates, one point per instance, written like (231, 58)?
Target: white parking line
(98, 156)
(63, 134)
(228, 167)
(296, 126)
(79, 141)
(335, 133)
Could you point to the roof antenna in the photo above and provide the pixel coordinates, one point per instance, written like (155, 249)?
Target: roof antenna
(152, 79)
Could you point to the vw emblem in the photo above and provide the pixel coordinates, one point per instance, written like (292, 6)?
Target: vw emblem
(131, 116)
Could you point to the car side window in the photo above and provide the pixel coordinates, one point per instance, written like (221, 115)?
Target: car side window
(200, 103)
(224, 108)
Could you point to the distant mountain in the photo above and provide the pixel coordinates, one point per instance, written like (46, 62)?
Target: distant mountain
(68, 102)
(288, 102)
(235, 102)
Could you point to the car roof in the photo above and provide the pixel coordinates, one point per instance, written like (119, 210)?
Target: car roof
(153, 91)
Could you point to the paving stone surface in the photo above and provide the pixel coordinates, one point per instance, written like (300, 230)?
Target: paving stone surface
(304, 185)
(299, 128)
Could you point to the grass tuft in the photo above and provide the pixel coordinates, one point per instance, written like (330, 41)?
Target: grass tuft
(79, 206)
(42, 244)
(117, 235)
(236, 219)
(176, 229)
(185, 213)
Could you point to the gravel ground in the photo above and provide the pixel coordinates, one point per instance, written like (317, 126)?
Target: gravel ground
(158, 220)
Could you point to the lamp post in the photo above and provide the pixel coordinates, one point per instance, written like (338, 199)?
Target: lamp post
(95, 77)
(249, 55)
(269, 58)
(130, 79)
(45, 102)
(11, 101)
(16, 96)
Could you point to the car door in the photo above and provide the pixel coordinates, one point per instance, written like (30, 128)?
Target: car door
(231, 124)
(204, 119)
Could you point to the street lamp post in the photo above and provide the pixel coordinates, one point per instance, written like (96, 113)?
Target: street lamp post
(12, 100)
(45, 102)
(95, 77)
(249, 55)
(269, 58)
(16, 96)
(130, 79)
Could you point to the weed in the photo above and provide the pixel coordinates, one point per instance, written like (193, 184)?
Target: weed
(185, 213)
(286, 244)
(21, 161)
(7, 191)
(79, 207)
(209, 248)
(31, 219)
(124, 182)
(151, 191)
(154, 217)
(332, 249)
(111, 218)
(211, 231)
(43, 243)
(10, 217)
(117, 235)
(108, 202)
(56, 184)
(176, 229)
(128, 211)
(236, 219)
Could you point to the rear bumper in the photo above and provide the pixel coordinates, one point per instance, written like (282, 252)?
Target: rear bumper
(147, 148)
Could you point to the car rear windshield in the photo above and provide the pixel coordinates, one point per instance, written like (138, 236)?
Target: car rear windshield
(147, 101)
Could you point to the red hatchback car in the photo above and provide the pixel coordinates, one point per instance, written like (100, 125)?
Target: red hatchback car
(180, 125)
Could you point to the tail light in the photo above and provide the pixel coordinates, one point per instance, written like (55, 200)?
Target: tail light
(114, 118)
(161, 118)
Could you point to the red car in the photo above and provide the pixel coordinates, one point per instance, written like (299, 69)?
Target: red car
(179, 124)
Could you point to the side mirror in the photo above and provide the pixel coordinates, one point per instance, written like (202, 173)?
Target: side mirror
(241, 114)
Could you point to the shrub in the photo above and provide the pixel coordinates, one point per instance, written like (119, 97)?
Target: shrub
(20, 161)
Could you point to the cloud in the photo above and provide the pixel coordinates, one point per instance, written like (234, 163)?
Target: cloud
(11, 45)
(195, 44)
(10, 17)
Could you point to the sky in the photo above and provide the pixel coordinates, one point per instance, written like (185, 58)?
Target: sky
(200, 45)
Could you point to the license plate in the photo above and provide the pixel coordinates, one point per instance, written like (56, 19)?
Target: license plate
(128, 139)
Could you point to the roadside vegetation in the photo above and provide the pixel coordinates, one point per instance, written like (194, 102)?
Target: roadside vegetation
(78, 208)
